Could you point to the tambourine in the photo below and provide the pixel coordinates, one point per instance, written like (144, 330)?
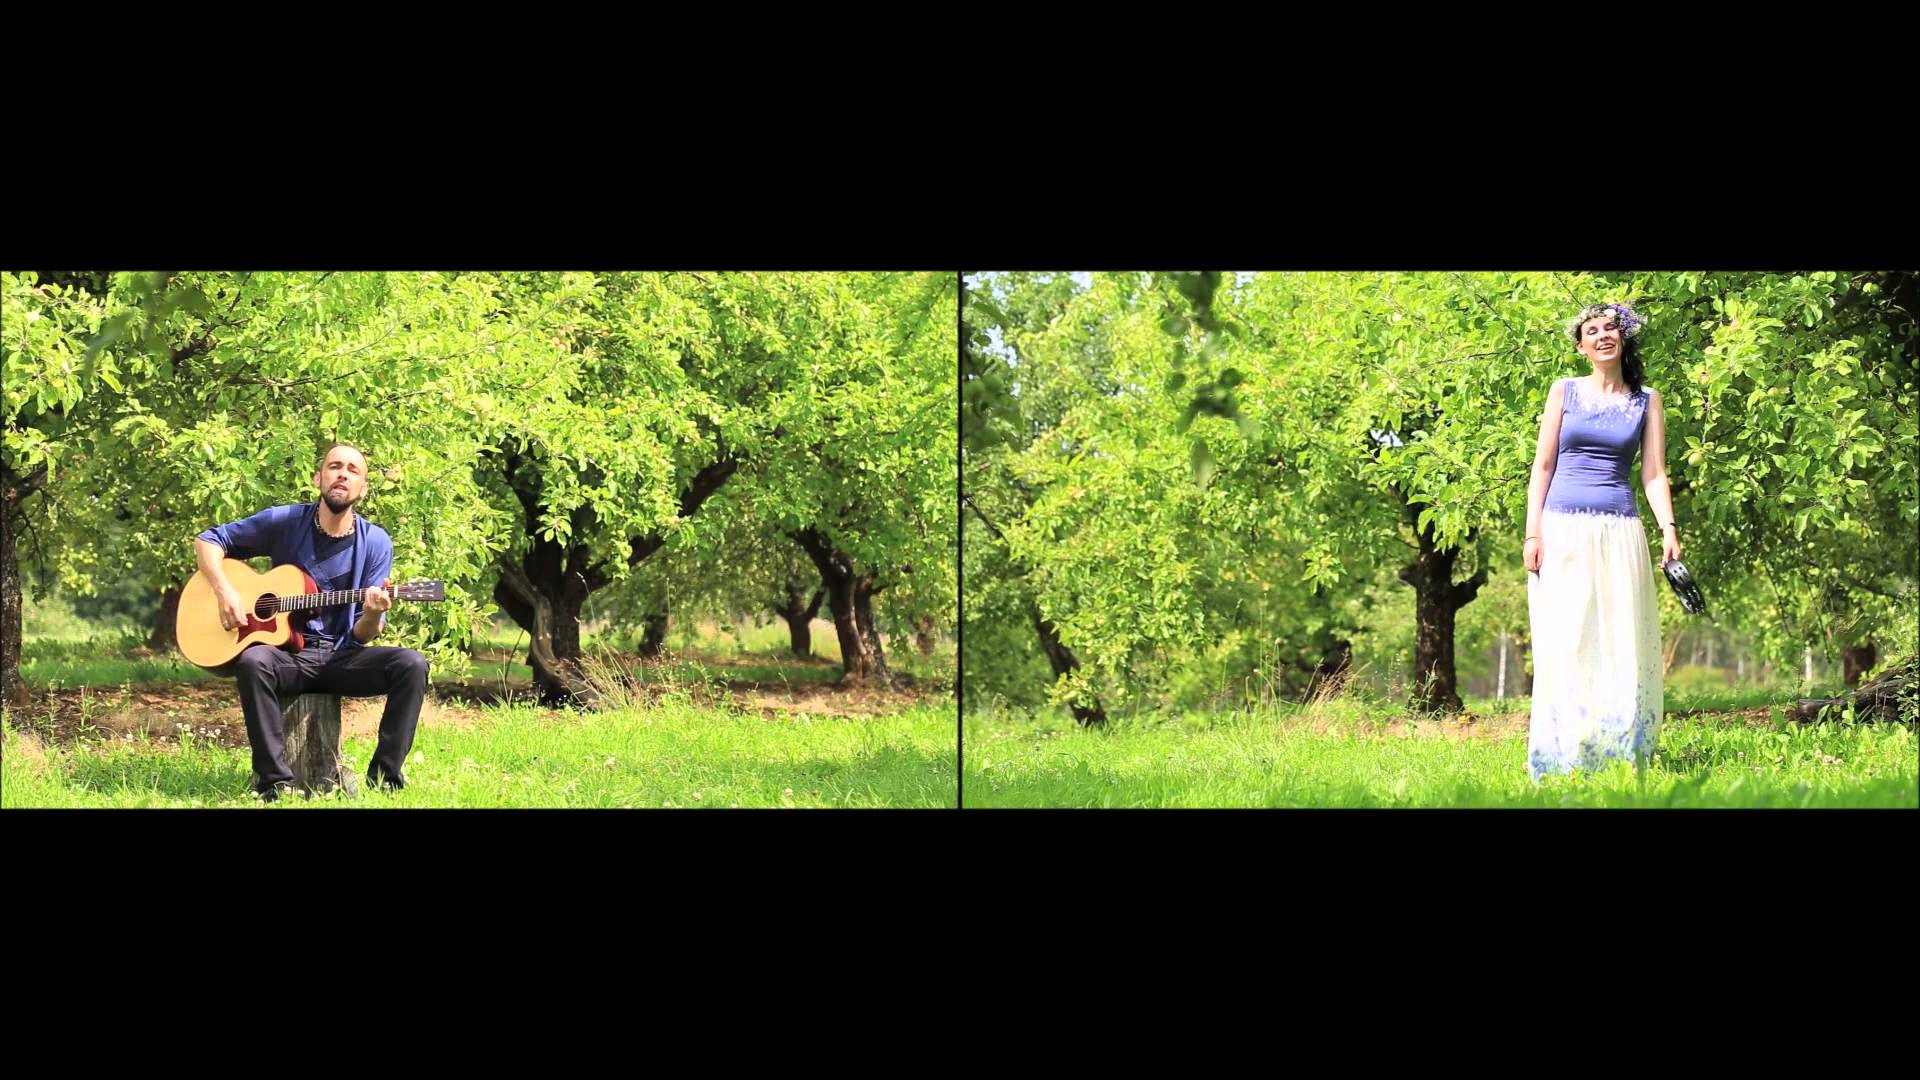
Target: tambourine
(1684, 586)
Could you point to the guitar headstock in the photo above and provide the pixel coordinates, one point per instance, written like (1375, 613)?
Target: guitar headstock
(420, 589)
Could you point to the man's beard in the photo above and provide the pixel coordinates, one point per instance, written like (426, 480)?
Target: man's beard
(338, 501)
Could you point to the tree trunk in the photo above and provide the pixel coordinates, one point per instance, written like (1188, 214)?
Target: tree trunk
(801, 633)
(1332, 668)
(1893, 695)
(535, 592)
(1062, 660)
(1059, 657)
(1437, 599)
(848, 594)
(312, 734)
(654, 638)
(544, 589)
(162, 639)
(799, 614)
(1526, 662)
(1673, 650)
(14, 490)
(923, 636)
(863, 590)
(1500, 683)
(1856, 660)
(854, 660)
(12, 689)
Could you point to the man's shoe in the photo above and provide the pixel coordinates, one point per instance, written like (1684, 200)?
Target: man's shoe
(278, 791)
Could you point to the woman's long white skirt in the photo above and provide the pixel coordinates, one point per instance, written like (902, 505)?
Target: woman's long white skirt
(1595, 614)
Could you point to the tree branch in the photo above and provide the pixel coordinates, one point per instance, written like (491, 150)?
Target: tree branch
(991, 527)
(1465, 591)
(705, 482)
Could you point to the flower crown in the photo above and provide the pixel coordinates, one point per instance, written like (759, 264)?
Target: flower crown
(1630, 322)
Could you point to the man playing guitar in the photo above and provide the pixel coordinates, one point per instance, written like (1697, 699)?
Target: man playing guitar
(339, 550)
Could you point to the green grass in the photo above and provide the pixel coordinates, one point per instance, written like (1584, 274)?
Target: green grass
(51, 617)
(772, 671)
(771, 639)
(84, 646)
(683, 743)
(512, 639)
(703, 635)
(1731, 698)
(108, 671)
(493, 671)
(673, 754)
(680, 672)
(1277, 759)
(99, 658)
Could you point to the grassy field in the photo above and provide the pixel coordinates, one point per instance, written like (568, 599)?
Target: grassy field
(720, 722)
(1724, 750)
(747, 652)
(672, 754)
(101, 660)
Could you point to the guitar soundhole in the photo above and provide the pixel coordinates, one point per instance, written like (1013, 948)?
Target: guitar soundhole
(265, 607)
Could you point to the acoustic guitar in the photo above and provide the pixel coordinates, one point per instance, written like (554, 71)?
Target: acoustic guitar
(272, 602)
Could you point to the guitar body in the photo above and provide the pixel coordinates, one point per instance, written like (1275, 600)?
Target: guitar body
(197, 625)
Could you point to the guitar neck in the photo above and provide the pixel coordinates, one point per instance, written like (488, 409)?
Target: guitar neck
(333, 598)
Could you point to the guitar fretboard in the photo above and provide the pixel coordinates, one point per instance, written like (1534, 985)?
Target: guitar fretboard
(309, 601)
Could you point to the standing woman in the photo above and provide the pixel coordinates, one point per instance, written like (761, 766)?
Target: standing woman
(1591, 599)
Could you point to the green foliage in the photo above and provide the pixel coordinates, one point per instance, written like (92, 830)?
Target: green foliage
(496, 410)
(1792, 401)
(1192, 474)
